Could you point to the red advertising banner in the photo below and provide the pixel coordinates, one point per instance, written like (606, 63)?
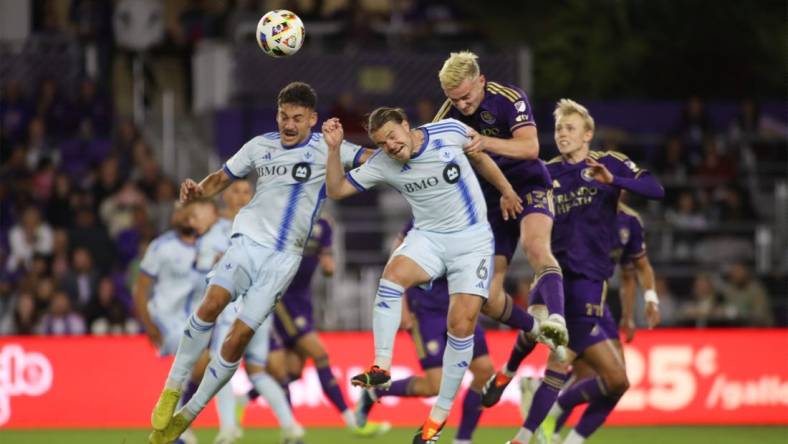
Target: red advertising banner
(676, 377)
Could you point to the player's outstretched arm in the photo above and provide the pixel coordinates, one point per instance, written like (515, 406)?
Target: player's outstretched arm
(212, 185)
(511, 204)
(524, 144)
(645, 185)
(337, 185)
(142, 287)
(646, 277)
(627, 295)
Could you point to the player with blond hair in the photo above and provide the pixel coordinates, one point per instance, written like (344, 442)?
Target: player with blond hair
(505, 129)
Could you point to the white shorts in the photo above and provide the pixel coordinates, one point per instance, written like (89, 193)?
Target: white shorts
(257, 273)
(258, 348)
(171, 329)
(465, 257)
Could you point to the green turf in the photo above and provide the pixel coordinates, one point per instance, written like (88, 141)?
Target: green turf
(609, 435)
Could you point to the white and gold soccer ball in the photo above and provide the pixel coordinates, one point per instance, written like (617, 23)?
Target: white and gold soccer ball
(280, 33)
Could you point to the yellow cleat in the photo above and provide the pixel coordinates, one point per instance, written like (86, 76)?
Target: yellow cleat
(174, 430)
(165, 407)
(372, 429)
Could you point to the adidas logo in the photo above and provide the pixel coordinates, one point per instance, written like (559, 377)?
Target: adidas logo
(213, 372)
(383, 304)
(186, 332)
(405, 167)
(462, 364)
(267, 156)
(480, 284)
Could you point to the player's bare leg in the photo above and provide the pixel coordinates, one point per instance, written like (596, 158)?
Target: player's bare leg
(194, 342)
(400, 273)
(461, 322)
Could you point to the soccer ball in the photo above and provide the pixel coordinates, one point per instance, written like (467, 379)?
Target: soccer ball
(280, 33)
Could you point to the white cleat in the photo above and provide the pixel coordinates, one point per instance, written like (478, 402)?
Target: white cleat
(228, 436)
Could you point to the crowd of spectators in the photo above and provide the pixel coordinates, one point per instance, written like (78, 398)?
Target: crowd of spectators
(81, 194)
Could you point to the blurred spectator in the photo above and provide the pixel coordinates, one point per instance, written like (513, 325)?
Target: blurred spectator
(15, 112)
(81, 283)
(88, 234)
(42, 181)
(51, 107)
(751, 123)
(733, 205)
(705, 308)
(44, 291)
(673, 162)
(60, 319)
(58, 211)
(128, 240)
(31, 235)
(39, 269)
(81, 152)
(109, 180)
(348, 111)
(126, 135)
(715, 167)
(161, 210)
(7, 304)
(93, 107)
(39, 147)
(116, 210)
(746, 297)
(425, 110)
(106, 315)
(61, 263)
(686, 215)
(693, 127)
(25, 315)
(149, 177)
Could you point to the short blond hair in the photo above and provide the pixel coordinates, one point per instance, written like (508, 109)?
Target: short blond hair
(458, 67)
(565, 107)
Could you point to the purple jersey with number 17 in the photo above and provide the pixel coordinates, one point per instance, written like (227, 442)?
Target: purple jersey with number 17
(503, 110)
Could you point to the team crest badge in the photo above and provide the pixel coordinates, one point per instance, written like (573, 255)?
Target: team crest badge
(623, 234)
(308, 156)
(586, 174)
(487, 117)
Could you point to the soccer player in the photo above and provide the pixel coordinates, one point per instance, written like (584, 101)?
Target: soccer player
(587, 188)
(213, 242)
(629, 252)
(294, 328)
(164, 289)
(428, 309)
(451, 235)
(506, 130)
(268, 238)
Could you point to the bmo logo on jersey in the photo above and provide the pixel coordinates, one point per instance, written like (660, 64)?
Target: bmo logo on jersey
(302, 172)
(423, 184)
(451, 173)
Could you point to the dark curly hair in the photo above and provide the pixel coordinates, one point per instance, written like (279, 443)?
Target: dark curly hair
(299, 94)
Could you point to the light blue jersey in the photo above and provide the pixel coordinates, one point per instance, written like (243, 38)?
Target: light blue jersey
(170, 262)
(290, 188)
(438, 181)
(213, 244)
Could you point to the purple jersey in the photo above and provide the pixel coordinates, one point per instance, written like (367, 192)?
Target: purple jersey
(586, 213)
(629, 241)
(318, 242)
(503, 110)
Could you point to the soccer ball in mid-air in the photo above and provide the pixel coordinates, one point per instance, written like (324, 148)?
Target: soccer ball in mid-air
(280, 33)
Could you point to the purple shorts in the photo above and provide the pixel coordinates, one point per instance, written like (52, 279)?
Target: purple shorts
(274, 341)
(608, 324)
(536, 199)
(429, 336)
(587, 317)
(292, 319)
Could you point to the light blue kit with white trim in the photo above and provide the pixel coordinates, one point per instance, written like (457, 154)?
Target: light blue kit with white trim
(270, 232)
(451, 234)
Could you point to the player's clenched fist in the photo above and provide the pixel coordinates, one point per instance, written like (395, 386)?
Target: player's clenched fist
(190, 190)
(333, 132)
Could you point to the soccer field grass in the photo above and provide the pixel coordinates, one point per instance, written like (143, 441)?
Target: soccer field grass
(609, 435)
